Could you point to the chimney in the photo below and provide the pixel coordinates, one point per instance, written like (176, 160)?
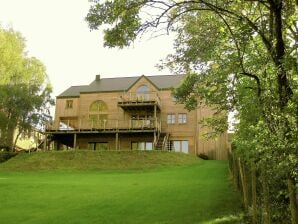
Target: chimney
(97, 77)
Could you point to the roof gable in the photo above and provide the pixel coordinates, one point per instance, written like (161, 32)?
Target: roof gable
(139, 81)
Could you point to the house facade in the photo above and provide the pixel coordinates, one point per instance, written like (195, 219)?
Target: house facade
(131, 113)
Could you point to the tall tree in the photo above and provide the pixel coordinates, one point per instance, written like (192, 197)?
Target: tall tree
(239, 55)
(24, 91)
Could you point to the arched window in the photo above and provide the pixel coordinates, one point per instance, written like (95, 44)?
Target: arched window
(98, 106)
(143, 89)
(143, 92)
(98, 114)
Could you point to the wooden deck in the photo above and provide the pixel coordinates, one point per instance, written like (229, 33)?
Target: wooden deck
(134, 101)
(106, 126)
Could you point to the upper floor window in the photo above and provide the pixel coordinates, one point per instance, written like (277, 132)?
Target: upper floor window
(182, 118)
(98, 106)
(171, 119)
(69, 104)
(98, 114)
(143, 89)
(143, 92)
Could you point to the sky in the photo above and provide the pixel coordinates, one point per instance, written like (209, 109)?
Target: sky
(57, 34)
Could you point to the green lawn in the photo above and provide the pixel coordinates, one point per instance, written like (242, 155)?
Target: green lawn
(192, 191)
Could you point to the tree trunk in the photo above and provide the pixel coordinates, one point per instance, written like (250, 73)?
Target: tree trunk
(14, 142)
(293, 201)
(254, 193)
(267, 218)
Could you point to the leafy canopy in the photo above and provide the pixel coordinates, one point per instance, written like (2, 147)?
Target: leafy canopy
(24, 89)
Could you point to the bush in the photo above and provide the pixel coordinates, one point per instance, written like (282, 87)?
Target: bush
(4, 156)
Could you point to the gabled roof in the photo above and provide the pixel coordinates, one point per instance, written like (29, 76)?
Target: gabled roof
(112, 84)
(121, 84)
(73, 91)
(166, 81)
(145, 77)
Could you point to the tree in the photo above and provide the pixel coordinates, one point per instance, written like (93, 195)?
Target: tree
(24, 91)
(238, 55)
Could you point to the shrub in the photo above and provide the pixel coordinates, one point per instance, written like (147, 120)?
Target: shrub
(4, 156)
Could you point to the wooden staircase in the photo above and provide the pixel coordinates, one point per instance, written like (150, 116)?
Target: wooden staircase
(163, 142)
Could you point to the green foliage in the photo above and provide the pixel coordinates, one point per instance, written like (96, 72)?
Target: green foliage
(24, 90)
(122, 14)
(237, 56)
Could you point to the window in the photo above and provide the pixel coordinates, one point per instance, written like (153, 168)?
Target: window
(98, 114)
(98, 120)
(98, 106)
(182, 118)
(142, 121)
(142, 146)
(143, 92)
(69, 104)
(174, 99)
(171, 119)
(143, 89)
(180, 146)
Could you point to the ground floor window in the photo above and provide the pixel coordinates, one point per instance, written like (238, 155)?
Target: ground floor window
(180, 146)
(98, 146)
(141, 145)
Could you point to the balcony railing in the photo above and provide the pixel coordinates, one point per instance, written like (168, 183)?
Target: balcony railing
(104, 125)
(139, 99)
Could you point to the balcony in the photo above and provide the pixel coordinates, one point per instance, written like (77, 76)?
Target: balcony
(136, 101)
(87, 125)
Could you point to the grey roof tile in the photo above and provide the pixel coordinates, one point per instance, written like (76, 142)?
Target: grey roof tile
(121, 84)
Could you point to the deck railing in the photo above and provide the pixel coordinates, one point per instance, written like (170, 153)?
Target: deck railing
(104, 125)
(139, 98)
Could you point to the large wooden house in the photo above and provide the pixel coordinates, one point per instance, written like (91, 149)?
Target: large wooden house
(131, 113)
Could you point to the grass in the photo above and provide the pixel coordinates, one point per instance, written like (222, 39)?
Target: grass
(182, 189)
(95, 160)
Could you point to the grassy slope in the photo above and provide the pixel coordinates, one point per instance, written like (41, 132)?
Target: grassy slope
(95, 160)
(195, 193)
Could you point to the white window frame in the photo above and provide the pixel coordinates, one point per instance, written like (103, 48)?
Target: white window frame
(180, 146)
(171, 118)
(143, 146)
(182, 118)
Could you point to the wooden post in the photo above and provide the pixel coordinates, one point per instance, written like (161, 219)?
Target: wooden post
(80, 124)
(45, 142)
(74, 141)
(243, 183)
(155, 117)
(117, 139)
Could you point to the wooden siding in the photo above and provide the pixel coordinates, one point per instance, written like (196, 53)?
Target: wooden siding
(118, 118)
